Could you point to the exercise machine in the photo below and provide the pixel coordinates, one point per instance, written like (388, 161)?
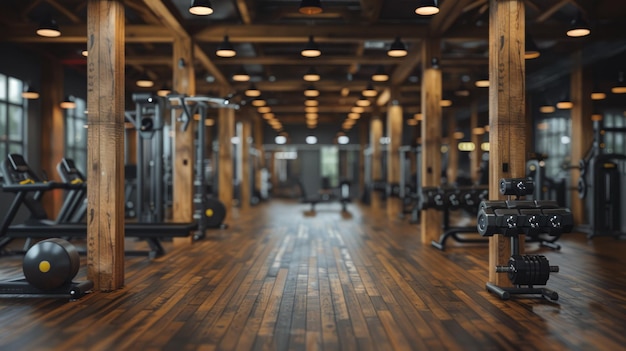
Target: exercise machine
(513, 218)
(49, 267)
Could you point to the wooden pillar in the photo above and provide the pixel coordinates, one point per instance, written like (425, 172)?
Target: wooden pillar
(258, 144)
(477, 138)
(431, 219)
(226, 131)
(52, 130)
(394, 132)
(244, 141)
(507, 125)
(105, 147)
(183, 156)
(453, 149)
(582, 129)
(376, 132)
(363, 129)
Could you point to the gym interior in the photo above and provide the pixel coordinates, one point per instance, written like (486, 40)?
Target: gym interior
(312, 175)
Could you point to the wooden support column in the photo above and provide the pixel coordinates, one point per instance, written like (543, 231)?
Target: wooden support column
(376, 132)
(244, 141)
(394, 132)
(453, 148)
(52, 130)
(105, 147)
(258, 145)
(582, 129)
(431, 219)
(507, 125)
(183, 157)
(226, 131)
(363, 129)
(477, 138)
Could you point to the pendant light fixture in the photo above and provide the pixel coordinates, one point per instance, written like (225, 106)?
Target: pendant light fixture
(362, 101)
(258, 102)
(310, 7)
(225, 49)
(30, 94)
(427, 7)
(311, 103)
(531, 49)
(397, 48)
(620, 87)
(311, 49)
(164, 91)
(144, 81)
(49, 28)
(369, 91)
(482, 82)
(380, 75)
(241, 76)
(68, 103)
(578, 27)
(201, 7)
(311, 92)
(252, 91)
(311, 75)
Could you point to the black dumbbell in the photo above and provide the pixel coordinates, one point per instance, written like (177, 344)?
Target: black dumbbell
(558, 220)
(517, 186)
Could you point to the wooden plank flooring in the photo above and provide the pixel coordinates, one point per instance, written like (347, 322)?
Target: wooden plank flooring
(280, 278)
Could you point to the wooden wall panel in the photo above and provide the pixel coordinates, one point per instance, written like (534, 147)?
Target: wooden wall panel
(394, 132)
(226, 131)
(376, 132)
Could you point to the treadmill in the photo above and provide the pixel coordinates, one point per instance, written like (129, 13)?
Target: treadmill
(27, 187)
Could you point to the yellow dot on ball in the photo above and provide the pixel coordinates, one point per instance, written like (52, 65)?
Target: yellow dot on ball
(44, 266)
(209, 212)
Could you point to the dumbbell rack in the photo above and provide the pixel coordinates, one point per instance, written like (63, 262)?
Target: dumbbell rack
(516, 217)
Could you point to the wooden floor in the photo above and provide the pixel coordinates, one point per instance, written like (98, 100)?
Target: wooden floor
(283, 279)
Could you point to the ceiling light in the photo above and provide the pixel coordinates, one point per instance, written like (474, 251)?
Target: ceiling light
(268, 116)
(280, 139)
(49, 28)
(354, 115)
(311, 109)
(241, 76)
(252, 91)
(427, 7)
(397, 49)
(369, 90)
(620, 87)
(380, 75)
(564, 105)
(311, 115)
(578, 27)
(363, 101)
(343, 139)
(357, 109)
(531, 49)
(445, 103)
(225, 49)
(68, 103)
(258, 102)
(482, 83)
(30, 94)
(264, 109)
(84, 52)
(311, 75)
(547, 109)
(201, 7)
(598, 95)
(311, 139)
(310, 7)
(144, 81)
(311, 49)
(311, 102)
(311, 92)
(164, 91)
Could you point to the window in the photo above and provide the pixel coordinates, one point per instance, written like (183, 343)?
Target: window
(76, 134)
(12, 116)
(330, 164)
(553, 139)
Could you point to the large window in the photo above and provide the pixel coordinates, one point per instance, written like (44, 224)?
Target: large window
(76, 134)
(614, 141)
(553, 139)
(330, 164)
(12, 116)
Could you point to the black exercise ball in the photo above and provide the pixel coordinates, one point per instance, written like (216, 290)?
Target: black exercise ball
(51, 263)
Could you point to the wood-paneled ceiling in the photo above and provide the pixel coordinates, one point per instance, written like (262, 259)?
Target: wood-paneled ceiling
(353, 36)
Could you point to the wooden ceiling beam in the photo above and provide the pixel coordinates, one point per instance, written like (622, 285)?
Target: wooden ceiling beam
(78, 34)
(547, 13)
(370, 10)
(166, 17)
(244, 7)
(265, 33)
(209, 66)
